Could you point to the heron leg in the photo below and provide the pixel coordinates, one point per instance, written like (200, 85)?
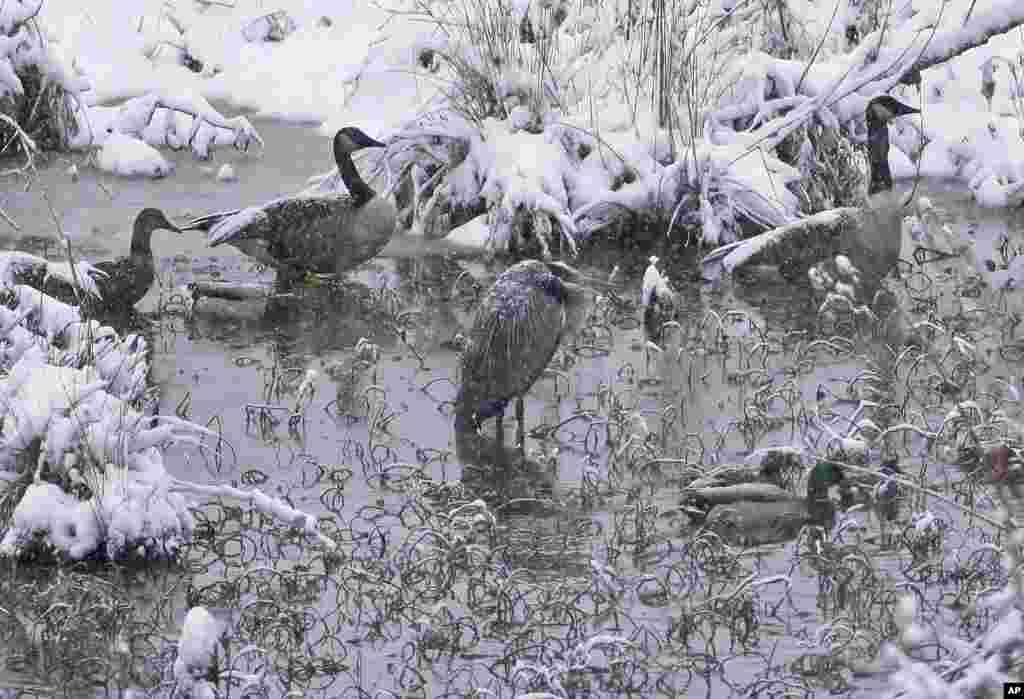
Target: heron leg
(520, 430)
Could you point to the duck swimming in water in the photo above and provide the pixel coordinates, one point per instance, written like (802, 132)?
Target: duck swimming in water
(111, 286)
(324, 234)
(761, 513)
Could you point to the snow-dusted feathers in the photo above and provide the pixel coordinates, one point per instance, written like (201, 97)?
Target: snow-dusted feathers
(868, 238)
(322, 233)
(519, 325)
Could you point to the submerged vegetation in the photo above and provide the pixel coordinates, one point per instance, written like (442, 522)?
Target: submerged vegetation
(482, 572)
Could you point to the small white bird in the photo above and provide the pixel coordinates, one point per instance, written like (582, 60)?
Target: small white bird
(658, 301)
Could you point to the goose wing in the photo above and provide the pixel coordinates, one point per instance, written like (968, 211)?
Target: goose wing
(300, 231)
(803, 242)
(871, 236)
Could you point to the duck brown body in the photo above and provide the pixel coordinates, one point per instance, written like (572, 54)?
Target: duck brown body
(123, 282)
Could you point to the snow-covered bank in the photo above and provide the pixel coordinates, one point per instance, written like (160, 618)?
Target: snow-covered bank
(80, 459)
(579, 152)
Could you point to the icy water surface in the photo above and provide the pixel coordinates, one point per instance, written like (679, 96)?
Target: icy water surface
(385, 351)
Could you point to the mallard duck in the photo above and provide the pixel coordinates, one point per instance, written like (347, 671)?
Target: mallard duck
(760, 513)
(850, 247)
(112, 285)
(321, 233)
(519, 324)
(775, 465)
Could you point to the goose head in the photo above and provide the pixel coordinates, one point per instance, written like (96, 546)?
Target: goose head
(879, 112)
(350, 139)
(884, 108)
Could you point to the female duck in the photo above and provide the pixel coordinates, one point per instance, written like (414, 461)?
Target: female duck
(114, 286)
(325, 234)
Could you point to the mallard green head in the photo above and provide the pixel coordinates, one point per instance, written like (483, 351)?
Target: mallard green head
(824, 475)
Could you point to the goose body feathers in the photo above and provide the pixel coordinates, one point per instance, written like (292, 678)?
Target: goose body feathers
(322, 233)
(869, 237)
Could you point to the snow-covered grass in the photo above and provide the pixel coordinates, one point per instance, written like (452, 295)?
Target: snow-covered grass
(515, 90)
(84, 473)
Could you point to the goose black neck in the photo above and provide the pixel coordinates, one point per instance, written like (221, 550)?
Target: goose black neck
(359, 190)
(878, 155)
(142, 237)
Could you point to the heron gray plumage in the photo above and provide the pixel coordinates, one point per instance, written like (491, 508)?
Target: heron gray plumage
(869, 236)
(321, 233)
(116, 285)
(520, 323)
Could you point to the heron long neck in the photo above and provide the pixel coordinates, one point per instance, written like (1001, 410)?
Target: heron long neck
(878, 155)
(142, 237)
(359, 190)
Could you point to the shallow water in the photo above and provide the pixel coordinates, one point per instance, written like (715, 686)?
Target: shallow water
(236, 365)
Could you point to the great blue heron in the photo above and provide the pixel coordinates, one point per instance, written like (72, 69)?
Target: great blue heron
(322, 233)
(520, 323)
(844, 248)
(115, 285)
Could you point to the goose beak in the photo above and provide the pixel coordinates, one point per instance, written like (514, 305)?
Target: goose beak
(900, 109)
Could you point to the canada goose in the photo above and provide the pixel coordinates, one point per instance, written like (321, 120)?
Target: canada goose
(312, 233)
(868, 237)
(112, 285)
(519, 324)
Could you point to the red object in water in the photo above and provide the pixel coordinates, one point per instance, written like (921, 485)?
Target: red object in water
(999, 461)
